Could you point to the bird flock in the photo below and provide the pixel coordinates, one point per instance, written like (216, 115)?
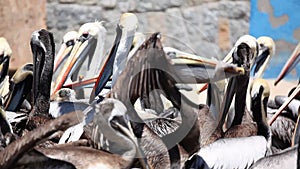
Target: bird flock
(123, 107)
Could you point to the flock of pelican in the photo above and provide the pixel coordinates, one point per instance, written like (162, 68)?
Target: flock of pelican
(88, 108)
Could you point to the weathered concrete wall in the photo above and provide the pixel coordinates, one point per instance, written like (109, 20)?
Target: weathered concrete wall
(205, 27)
(18, 20)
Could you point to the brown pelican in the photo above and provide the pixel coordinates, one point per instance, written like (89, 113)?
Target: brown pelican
(19, 147)
(65, 49)
(244, 54)
(250, 128)
(89, 44)
(109, 123)
(131, 85)
(236, 152)
(42, 46)
(123, 37)
(141, 77)
(219, 102)
(112, 132)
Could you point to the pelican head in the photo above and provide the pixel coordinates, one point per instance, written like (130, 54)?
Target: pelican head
(260, 92)
(110, 122)
(65, 49)
(266, 51)
(86, 45)
(245, 52)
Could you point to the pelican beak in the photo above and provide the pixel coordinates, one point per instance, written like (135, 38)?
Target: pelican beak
(259, 61)
(203, 70)
(290, 64)
(82, 46)
(230, 92)
(63, 53)
(82, 84)
(203, 88)
(107, 69)
(295, 93)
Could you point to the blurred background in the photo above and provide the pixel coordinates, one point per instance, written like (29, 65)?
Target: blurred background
(205, 27)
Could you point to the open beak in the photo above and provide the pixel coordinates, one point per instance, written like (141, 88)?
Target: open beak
(295, 93)
(77, 56)
(261, 61)
(290, 64)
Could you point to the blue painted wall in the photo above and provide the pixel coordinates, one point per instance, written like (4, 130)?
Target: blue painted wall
(260, 25)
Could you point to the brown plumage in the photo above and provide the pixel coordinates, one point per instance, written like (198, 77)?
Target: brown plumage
(16, 149)
(43, 48)
(140, 77)
(260, 92)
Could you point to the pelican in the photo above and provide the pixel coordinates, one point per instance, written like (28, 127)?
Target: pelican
(242, 54)
(139, 80)
(131, 85)
(42, 46)
(110, 122)
(249, 128)
(236, 152)
(117, 58)
(112, 132)
(19, 147)
(88, 43)
(126, 24)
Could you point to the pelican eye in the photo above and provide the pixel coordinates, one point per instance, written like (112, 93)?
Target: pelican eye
(70, 43)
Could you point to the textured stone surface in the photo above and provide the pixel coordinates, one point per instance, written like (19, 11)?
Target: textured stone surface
(205, 27)
(67, 17)
(18, 20)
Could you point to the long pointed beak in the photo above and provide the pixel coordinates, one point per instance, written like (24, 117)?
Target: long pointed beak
(290, 64)
(230, 91)
(201, 70)
(62, 54)
(203, 88)
(82, 84)
(261, 62)
(285, 104)
(107, 68)
(76, 57)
